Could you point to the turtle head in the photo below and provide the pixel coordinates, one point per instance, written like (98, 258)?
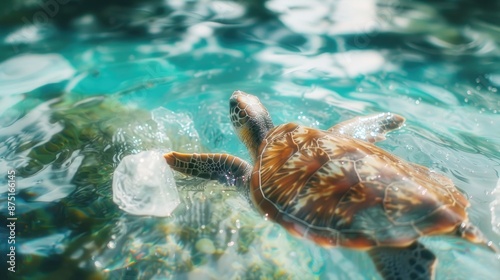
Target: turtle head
(250, 119)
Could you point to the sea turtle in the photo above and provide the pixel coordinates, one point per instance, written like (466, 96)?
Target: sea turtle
(336, 188)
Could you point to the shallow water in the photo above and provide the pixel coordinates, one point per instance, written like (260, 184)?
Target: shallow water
(76, 100)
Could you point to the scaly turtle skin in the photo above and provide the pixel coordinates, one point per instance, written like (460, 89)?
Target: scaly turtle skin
(338, 189)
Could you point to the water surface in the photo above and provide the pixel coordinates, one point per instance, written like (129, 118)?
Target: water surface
(80, 92)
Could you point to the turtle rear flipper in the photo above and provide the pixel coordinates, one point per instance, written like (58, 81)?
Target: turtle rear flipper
(370, 128)
(400, 263)
(226, 169)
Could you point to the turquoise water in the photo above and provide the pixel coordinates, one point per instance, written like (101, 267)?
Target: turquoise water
(76, 98)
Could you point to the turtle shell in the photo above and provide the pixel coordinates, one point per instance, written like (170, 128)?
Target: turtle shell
(340, 191)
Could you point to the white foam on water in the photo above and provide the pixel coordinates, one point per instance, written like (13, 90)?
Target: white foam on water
(495, 209)
(26, 72)
(143, 184)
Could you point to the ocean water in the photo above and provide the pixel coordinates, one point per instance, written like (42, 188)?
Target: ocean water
(82, 90)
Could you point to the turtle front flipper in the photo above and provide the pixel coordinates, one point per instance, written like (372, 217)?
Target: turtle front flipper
(226, 169)
(400, 263)
(370, 128)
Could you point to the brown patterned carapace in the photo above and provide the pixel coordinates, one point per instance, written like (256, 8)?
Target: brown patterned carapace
(330, 188)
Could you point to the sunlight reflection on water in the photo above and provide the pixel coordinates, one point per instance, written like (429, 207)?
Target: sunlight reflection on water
(71, 114)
